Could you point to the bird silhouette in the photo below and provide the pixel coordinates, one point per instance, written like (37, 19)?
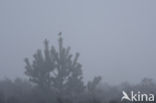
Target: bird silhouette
(125, 96)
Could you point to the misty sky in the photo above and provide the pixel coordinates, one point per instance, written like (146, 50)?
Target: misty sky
(116, 38)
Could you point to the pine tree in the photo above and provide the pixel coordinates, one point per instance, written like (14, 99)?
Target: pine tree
(56, 69)
(39, 71)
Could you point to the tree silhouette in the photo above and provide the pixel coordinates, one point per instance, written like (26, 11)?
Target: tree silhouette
(92, 85)
(56, 69)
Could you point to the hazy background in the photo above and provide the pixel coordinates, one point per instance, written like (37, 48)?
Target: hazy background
(116, 38)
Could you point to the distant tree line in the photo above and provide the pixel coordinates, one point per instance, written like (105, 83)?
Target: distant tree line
(23, 91)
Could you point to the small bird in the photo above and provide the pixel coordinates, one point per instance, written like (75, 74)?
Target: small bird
(125, 96)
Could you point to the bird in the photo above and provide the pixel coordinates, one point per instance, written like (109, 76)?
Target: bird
(125, 96)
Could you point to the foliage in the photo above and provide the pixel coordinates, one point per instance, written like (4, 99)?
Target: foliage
(56, 69)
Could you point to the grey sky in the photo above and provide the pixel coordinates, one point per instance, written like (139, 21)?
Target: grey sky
(116, 38)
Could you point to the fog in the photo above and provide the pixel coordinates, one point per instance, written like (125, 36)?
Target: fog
(115, 39)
